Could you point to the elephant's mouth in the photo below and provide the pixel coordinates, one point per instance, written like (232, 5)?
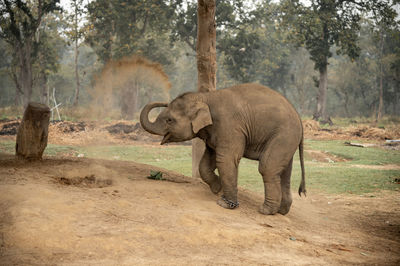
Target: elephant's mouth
(166, 138)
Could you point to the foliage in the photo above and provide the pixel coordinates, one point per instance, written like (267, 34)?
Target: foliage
(19, 21)
(119, 28)
(228, 15)
(256, 51)
(256, 42)
(49, 49)
(156, 175)
(327, 23)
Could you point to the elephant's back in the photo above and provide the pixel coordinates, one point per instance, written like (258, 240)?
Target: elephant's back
(256, 95)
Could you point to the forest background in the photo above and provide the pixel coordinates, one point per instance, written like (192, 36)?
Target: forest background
(107, 59)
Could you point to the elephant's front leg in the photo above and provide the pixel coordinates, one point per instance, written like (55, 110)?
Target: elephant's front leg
(227, 164)
(207, 167)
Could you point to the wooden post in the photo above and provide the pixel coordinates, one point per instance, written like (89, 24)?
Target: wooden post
(33, 131)
(206, 65)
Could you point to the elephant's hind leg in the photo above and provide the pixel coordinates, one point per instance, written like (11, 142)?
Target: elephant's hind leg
(286, 201)
(273, 164)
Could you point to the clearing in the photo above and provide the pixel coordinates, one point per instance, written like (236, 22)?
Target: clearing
(66, 210)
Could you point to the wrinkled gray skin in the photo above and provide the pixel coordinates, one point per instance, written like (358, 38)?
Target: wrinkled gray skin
(247, 120)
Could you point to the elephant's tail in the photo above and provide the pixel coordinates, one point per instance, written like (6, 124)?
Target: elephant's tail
(302, 188)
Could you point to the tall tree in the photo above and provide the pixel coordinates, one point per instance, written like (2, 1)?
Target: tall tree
(384, 26)
(119, 28)
(75, 33)
(101, 24)
(322, 24)
(19, 21)
(206, 46)
(206, 64)
(50, 48)
(228, 14)
(256, 51)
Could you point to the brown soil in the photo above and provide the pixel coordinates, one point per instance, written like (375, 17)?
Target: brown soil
(363, 132)
(64, 211)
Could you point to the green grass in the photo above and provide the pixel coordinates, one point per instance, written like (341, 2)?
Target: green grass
(327, 177)
(355, 155)
(344, 122)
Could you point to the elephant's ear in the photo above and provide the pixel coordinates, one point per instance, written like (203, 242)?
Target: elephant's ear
(202, 117)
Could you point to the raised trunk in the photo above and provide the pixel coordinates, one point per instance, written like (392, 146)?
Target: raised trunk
(151, 127)
(206, 65)
(320, 112)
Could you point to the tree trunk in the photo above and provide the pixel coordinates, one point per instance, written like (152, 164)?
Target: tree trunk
(18, 90)
(77, 88)
(33, 132)
(43, 86)
(25, 70)
(76, 26)
(380, 106)
(320, 112)
(206, 65)
(346, 104)
(129, 101)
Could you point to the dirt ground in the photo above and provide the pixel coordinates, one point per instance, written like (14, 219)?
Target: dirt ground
(80, 211)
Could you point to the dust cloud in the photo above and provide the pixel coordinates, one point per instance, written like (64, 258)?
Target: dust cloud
(124, 85)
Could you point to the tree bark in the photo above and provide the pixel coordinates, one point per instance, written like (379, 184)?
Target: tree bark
(25, 70)
(77, 88)
(43, 86)
(129, 101)
(206, 65)
(206, 46)
(33, 131)
(320, 112)
(18, 90)
(380, 106)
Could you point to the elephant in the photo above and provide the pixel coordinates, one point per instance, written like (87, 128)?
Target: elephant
(247, 120)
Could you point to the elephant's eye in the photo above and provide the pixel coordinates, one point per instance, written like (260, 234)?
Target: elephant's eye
(169, 121)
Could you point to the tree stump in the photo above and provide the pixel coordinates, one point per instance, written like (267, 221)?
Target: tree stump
(33, 132)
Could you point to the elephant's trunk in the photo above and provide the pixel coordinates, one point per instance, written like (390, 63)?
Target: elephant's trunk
(154, 127)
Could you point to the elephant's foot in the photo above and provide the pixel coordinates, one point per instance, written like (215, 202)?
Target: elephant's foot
(216, 187)
(227, 204)
(268, 209)
(285, 207)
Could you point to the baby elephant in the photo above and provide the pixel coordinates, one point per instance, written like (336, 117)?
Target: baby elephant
(247, 120)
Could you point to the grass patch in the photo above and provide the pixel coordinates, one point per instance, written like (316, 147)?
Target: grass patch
(357, 155)
(354, 121)
(51, 149)
(326, 177)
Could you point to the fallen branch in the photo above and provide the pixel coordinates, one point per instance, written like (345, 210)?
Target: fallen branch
(366, 145)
